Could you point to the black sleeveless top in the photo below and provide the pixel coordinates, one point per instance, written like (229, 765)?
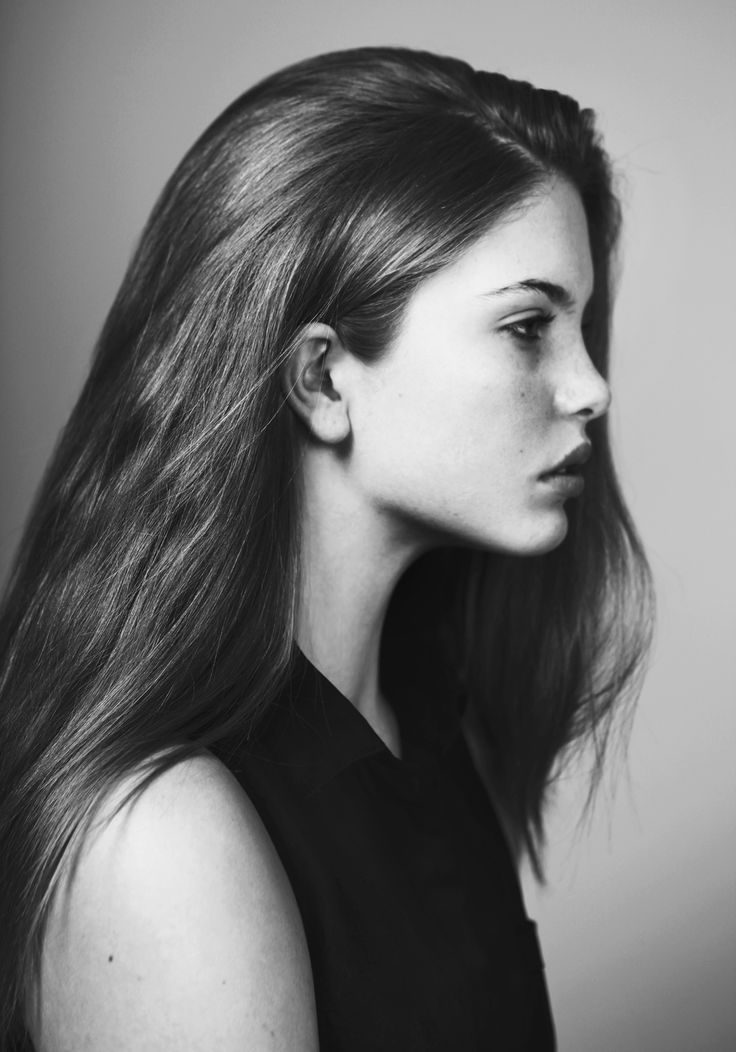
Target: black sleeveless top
(413, 914)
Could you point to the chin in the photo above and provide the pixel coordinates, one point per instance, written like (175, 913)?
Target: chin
(549, 545)
(536, 541)
(534, 535)
(551, 538)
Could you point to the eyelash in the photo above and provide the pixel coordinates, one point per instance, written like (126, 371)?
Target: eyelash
(519, 329)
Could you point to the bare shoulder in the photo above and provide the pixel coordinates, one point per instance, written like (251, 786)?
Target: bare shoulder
(177, 929)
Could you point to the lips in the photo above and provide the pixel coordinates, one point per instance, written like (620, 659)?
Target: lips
(570, 463)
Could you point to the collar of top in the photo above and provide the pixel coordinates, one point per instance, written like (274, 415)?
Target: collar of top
(318, 732)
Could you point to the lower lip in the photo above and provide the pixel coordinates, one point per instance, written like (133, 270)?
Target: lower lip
(565, 485)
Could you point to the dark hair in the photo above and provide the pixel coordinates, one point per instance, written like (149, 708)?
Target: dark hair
(151, 609)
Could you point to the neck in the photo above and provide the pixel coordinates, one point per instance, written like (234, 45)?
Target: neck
(351, 562)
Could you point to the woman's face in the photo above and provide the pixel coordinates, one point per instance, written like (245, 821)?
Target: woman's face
(487, 387)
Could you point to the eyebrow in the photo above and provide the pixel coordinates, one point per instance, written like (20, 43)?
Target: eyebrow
(555, 293)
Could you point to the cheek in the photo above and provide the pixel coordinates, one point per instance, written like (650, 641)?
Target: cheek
(526, 415)
(494, 427)
(459, 437)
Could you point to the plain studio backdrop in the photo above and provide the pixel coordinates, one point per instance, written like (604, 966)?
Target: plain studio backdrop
(100, 99)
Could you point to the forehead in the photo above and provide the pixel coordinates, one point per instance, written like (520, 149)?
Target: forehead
(547, 238)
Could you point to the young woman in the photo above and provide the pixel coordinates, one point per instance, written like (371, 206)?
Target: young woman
(328, 574)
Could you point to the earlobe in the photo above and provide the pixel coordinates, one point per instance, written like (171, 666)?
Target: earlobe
(310, 387)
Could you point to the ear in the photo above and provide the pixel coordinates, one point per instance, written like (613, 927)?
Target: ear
(310, 383)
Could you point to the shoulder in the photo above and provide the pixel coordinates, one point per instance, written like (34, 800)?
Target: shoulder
(176, 928)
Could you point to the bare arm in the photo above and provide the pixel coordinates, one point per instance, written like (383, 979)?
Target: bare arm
(178, 929)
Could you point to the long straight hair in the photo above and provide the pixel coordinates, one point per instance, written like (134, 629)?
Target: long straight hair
(151, 608)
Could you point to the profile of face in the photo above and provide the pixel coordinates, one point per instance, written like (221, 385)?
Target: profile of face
(487, 387)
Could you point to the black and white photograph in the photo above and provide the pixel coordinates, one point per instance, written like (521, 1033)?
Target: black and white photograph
(367, 502)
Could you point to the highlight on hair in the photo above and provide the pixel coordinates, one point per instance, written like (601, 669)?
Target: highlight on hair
(151, 607)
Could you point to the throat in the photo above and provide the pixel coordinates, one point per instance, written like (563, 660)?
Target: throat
(384, 722)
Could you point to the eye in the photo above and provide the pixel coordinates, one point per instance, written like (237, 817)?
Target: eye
(529, 330)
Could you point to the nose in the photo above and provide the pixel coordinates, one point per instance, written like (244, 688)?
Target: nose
(582, 391)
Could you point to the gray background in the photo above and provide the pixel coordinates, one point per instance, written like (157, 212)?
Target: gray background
(99, 101)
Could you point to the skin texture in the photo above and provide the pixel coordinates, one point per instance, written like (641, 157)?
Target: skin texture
(178, 928)
(449, 432)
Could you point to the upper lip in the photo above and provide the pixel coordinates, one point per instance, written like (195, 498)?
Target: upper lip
(579, 455)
